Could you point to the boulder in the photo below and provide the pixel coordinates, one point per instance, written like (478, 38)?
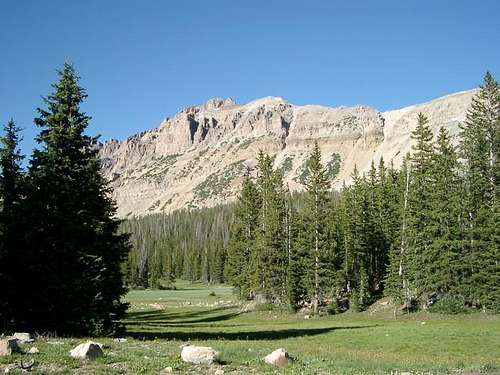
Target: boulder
(200, 355)
(90, 350)
(278, 358)
(22, 337)
(8, 346)
(33, 350)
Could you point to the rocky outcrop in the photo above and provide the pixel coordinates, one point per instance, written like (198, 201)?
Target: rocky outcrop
(198, 158)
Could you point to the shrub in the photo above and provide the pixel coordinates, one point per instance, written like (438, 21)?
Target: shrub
(264, 307)
(211, 294)
(449, 305)
(333, 308)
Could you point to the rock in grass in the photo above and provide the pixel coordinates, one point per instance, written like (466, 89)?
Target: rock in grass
(278, 358)
(200, 355)
(90, 350)
(8, 346)
(23, 337)
(33, 350)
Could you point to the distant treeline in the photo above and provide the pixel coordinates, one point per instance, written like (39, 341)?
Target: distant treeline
(185, 244)
(426, 234)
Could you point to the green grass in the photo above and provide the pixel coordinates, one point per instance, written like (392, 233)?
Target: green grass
(351, 343)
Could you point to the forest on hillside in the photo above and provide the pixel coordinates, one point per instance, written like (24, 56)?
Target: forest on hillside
(424, 235)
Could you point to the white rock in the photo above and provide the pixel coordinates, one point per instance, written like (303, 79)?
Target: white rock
(307, 316)
(219, 372)
(203, 355)
(8, 346)
(89, 350)
(120, 340)
(167, 370)
(33, 350)
(23, 337)
(278, 358)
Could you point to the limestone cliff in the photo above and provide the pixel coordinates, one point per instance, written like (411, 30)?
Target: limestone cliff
(198, 157)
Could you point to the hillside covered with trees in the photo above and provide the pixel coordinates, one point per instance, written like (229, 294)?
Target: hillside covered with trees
(426, 234)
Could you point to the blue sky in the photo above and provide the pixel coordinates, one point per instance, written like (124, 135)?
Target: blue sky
(141, 61)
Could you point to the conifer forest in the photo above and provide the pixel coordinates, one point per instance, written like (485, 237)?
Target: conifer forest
(259, 187)
(426, 234)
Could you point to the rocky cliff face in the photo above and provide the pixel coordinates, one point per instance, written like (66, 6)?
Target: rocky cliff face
(198, 158)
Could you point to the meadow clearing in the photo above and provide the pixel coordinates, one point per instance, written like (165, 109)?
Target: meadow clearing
(371, 342)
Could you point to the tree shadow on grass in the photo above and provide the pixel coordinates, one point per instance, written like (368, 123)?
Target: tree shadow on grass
(150, 325)
(248, 335)
(166, 322)
(144, 318)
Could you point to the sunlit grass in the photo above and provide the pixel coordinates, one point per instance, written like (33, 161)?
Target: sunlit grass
(160, 321)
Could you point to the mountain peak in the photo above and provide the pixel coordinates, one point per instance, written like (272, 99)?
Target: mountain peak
(198, 158)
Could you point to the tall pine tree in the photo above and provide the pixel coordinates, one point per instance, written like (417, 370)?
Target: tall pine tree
(480, 147)
(316, 225)
(242, 241)
(11, 195)
(73, 251)
(443, 260)
(419, 207)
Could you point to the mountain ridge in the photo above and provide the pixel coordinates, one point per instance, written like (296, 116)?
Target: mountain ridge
(197, 157)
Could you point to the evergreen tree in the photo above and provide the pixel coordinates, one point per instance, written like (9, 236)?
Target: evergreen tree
(73, 250)
(396, 281)
(315, 225)
(419, 236)
(242, 242)
(11, 195)
(480, 145)
(441, 274)
(376, 240)
(356, 233)
(295, 272)
(270, 256)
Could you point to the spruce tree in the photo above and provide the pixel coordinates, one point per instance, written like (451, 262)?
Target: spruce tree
(479, 146)
(356, 234)
(419, 209)
(269, 263)
(242, 241)
(271, 235)
(443, 260)
(317, 187)
(395, 283)
(11, 195)
(295, 274)
(73, 250)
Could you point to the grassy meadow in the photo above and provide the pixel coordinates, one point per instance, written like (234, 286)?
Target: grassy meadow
(371, 342)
